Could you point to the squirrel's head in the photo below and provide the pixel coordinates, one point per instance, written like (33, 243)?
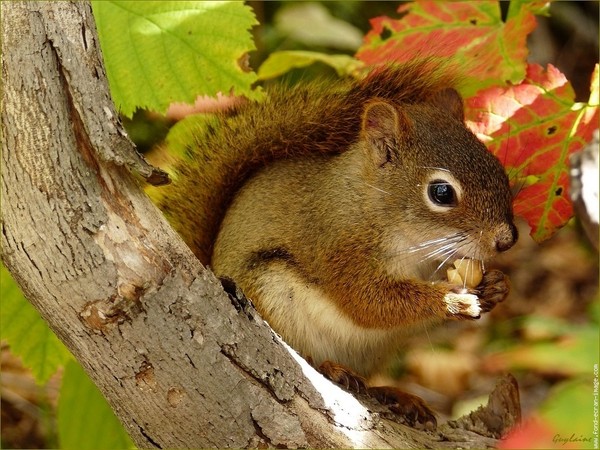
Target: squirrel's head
(443, 195)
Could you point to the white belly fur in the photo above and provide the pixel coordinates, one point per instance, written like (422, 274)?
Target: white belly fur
(315, 326)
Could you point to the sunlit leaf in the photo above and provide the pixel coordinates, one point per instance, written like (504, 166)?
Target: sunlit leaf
(279, 63)
(156, 53)
(533, 128)
(27, 333)
(85, 420)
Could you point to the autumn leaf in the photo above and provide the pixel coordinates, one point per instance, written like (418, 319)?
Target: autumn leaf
(533, 128)
(485, 49)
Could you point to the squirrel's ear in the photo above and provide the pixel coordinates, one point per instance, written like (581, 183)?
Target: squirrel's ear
(382, 126)
(449, 100)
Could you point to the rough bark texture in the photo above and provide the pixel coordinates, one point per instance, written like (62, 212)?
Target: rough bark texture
(182, 363)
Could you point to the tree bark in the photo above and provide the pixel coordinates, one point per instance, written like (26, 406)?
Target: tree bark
(182, 363)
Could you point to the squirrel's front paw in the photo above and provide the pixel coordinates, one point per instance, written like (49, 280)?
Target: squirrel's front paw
(493, 289)
(462, 304)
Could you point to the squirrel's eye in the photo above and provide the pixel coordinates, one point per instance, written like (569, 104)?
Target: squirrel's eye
(442, 193)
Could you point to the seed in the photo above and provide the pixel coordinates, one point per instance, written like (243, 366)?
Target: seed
(468, 272)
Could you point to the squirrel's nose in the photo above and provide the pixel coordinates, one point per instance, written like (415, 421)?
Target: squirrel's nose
(506, 237)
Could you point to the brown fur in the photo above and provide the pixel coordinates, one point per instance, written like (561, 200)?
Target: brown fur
(312, 118)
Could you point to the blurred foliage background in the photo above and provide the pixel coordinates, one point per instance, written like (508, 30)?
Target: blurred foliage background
(546, 333)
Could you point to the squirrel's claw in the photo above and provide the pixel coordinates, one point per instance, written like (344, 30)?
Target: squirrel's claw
(344, 376)
(493, 289)
(412, 408)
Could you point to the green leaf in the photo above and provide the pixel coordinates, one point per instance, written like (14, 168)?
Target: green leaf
(28, 335)
(156, 53)
(312, 24)
(537, 7)
(85, 420)
(568, 409)
(279, 63)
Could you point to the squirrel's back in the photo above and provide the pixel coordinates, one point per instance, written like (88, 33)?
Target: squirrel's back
(309, 118)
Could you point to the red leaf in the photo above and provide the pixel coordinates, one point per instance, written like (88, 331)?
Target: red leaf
(533, 128)
(486, 49)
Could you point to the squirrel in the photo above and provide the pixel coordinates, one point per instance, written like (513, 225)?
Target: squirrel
(334, 206)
